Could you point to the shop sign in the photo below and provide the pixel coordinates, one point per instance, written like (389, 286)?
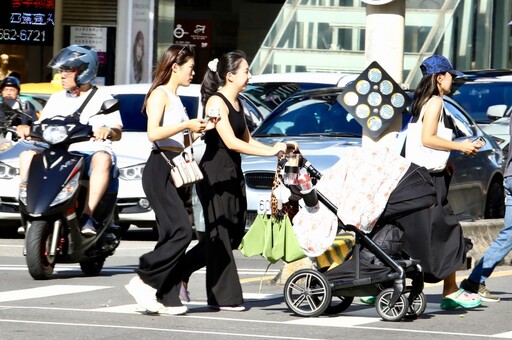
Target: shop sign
(193, 32)
(27, 22)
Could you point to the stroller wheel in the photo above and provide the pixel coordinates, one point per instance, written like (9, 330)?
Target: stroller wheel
(307, 293)
(417, 306)
(388, 313)
(338, 306)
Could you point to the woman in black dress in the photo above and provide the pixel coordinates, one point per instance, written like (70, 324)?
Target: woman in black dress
(222, 192)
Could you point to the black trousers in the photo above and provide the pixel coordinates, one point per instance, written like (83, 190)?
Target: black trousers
(222, 196)
(162, 268)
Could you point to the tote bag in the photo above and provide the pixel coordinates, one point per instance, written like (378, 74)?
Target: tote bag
(432, 159)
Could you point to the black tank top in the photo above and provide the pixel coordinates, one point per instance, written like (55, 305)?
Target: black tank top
(236, 120)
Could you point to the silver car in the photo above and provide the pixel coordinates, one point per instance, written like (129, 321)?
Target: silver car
(323, 128)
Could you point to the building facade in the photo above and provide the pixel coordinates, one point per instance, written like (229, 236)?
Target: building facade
(277, 36)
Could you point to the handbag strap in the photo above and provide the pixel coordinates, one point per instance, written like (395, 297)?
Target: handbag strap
(164, 156)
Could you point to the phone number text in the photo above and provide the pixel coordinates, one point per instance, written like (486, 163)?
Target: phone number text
(14, 34)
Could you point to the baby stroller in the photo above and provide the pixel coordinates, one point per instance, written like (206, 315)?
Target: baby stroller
(376, 265)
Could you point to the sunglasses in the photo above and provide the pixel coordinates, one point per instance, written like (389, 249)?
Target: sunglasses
(183, 48)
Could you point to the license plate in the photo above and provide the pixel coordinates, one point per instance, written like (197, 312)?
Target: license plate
(264, 204)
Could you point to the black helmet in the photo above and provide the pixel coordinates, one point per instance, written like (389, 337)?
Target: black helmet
(82, 58)
(10, 81)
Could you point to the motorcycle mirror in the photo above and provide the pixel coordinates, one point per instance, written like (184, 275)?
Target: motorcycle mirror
(109, 106)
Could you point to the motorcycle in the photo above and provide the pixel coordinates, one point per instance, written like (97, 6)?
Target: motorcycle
(53, 197)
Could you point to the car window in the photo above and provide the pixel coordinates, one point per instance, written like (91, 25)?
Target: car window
(463, 127)
(321, 115)
(253, 116)
(476, 97)
(135, 120)
(267, 96)
(191, 105)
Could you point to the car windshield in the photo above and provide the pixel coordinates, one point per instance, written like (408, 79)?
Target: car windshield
(477, 97)
(267, 96)
(317, 114)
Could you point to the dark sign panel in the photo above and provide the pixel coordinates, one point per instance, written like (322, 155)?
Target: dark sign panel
(193, 32)
(374, 99)
(28, 22)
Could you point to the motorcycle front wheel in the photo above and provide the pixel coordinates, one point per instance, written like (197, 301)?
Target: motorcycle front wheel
(38, 241)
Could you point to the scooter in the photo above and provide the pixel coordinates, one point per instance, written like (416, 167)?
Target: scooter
(53, 197)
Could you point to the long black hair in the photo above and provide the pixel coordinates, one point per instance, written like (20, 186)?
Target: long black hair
(426, 89)
(213, 79)
(175, 54)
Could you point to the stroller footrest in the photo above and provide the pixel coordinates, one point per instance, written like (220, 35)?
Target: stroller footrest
(407, 263)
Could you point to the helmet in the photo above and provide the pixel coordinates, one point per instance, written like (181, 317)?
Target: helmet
(10, 81)
(82, 58)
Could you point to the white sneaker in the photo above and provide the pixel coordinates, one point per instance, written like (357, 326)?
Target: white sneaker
(173, 310)
(144, 295)
(234, 308)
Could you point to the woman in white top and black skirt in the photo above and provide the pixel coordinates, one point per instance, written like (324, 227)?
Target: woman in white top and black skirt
(156, 288)
(440, 246)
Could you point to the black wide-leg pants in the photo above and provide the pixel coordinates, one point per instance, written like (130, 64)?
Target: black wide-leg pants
(162, 268)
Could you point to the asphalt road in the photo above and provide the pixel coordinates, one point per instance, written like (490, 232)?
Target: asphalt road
(73, 306)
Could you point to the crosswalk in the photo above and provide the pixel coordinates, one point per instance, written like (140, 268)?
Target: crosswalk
(9, 297)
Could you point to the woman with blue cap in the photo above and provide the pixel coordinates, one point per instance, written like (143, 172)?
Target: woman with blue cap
(446, 251)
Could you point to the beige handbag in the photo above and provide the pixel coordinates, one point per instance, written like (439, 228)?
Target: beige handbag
(184, 168)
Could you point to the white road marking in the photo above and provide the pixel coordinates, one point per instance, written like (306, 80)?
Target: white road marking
(338, 321)
(167, 330)
(129, 269)
(34, 293)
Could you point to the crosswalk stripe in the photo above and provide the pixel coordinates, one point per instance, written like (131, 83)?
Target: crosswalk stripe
(336, 321)
(34, 293)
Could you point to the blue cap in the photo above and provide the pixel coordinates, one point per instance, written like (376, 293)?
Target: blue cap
(10, 81)
(438, 64)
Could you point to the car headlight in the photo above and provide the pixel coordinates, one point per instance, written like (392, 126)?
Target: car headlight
(7, 171)
(68, 190)
(131, 173)
(55, 134)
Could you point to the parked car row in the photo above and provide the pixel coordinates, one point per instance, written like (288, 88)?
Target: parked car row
(487, 96)
(280, 107)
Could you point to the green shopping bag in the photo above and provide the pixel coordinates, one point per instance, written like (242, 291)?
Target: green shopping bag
(273, 238)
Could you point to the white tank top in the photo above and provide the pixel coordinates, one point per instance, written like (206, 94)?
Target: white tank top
(174, 114)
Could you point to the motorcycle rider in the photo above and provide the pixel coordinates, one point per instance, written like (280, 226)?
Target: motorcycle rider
(9, 90)
(78, 66)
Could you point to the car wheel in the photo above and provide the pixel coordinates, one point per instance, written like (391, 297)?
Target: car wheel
(495, 204)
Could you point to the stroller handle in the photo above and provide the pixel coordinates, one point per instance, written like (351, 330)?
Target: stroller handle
(313, 172)
(304, 163)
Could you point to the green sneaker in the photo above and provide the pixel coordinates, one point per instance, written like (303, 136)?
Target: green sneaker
(369, 300)
(481, 289)
(460, 298)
